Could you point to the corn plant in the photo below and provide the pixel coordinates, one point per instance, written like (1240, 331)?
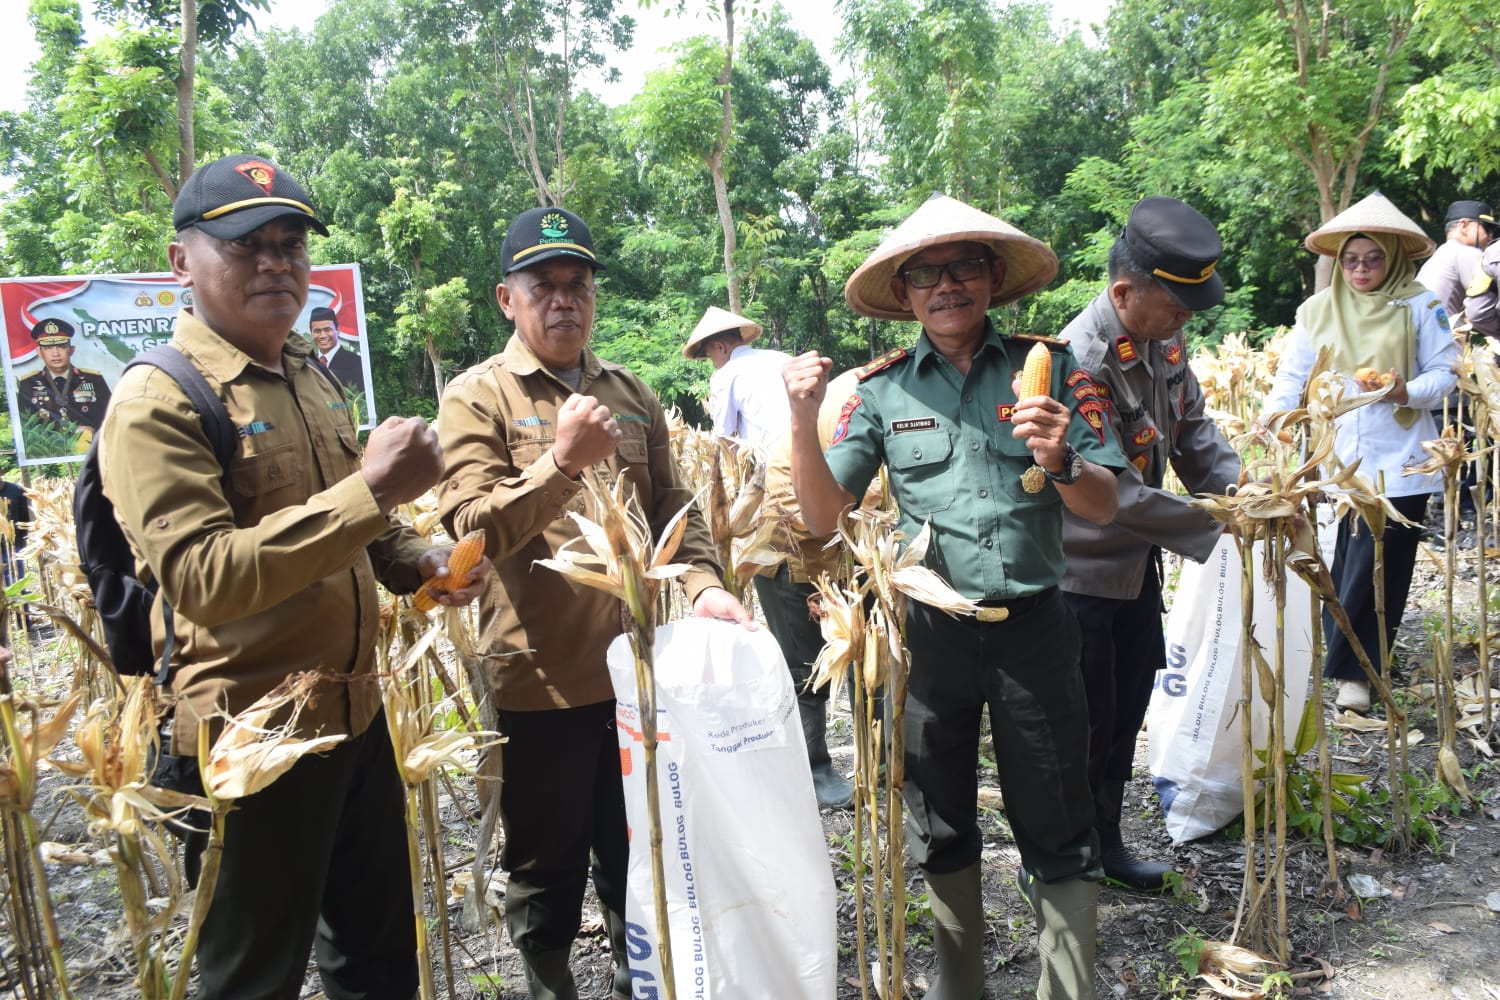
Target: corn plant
(887, 573)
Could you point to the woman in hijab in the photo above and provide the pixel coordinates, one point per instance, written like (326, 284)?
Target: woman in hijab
(1384, 329)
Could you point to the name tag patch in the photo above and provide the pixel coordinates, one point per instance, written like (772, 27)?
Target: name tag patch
(255, 427)
(915, 424)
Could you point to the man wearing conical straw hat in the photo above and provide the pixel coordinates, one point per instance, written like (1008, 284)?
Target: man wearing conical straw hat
(745, 396)
(991, 474)
(1384, 329)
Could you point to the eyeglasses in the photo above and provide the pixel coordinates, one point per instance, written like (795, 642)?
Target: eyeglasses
(1372, 262)
(928, 275)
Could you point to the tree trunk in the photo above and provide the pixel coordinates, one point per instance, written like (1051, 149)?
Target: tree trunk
(186, 156)
(716, 161)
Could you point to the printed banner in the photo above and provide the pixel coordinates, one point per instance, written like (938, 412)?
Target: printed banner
(68, 340)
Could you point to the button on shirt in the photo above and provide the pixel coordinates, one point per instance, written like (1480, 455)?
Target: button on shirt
(946, 440)
(747, 398)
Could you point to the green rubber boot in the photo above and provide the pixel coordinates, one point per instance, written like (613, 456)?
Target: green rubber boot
(1067, 914)
(548, 976)
(615, 924)
(957, 934)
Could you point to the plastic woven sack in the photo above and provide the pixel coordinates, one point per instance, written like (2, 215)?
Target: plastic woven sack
(749, 885)
(1193, 723)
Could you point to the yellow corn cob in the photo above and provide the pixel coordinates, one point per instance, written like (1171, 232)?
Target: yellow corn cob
(461, 562)
(1036, 379)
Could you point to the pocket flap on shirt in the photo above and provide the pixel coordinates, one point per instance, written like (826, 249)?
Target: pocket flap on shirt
(914, 449)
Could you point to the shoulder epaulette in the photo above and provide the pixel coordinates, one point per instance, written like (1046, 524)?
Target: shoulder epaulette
(1037, 338)
(86, 371)
(881, 363)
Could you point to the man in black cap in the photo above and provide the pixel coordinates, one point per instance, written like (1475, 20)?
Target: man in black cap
(1162, 270)
(59, 393)
(519, 430)
(270, 573)
(1482, 296)
(343, 364)
(1452, 267)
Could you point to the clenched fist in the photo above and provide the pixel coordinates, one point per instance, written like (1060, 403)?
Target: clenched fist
(402, 461)
(586, 433)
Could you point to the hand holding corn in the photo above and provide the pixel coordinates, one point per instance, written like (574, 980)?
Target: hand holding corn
(1040, 420)
(467, 567)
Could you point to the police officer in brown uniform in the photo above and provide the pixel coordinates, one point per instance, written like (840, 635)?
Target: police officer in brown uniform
(60, 393)
(1162, 269)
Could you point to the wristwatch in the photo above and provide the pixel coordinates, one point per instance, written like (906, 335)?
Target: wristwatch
(1072, 468)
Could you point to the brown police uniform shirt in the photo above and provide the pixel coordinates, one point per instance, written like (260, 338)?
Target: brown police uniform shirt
(546, 635)
(270, 569)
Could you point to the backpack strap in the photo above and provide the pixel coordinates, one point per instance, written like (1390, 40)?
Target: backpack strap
(211, 412)
(218, 428)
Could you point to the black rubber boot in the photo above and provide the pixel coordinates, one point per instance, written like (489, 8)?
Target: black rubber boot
(620, 986)
(834, 791)
(1120, 862)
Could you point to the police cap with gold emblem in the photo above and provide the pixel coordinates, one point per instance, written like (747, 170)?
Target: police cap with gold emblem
(1174, 243)
(235, 195)
(539, 234)
(1479, 211)
(52, 333)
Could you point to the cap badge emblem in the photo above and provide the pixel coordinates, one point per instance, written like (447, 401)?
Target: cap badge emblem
(259, 173)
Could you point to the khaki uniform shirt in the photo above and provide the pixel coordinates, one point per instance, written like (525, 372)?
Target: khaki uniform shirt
(546, 634)
(270, 569)
(946, 441)
(1157, 418)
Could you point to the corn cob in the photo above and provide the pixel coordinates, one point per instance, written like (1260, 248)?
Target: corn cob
(1036, 379)
(461, 562)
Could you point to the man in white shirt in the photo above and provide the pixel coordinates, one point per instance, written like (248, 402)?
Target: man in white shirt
(746, 398)
(344, 365)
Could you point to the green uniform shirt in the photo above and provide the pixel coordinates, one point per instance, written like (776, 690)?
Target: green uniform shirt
(946, 440)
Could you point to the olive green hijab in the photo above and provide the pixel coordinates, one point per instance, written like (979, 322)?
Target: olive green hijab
(1371, 329)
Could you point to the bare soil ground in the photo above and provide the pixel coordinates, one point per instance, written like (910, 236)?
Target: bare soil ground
(1428, 927)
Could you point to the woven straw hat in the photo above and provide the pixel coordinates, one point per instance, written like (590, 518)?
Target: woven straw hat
(1375, 214)
(718, 320)
(1029, 264)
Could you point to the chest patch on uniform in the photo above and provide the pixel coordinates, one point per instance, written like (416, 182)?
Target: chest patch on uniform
(337, 404)
(1174, 354)
(915, 424)
(1093, 412)
(635, 417)
(1005, 411)
(884, 361)
(842, 427)
(1144, 436)
(532, 421)
(1125, 349)
(255, 427)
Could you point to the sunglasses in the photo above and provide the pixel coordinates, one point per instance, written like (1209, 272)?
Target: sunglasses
(928, 275)
(1369, 263)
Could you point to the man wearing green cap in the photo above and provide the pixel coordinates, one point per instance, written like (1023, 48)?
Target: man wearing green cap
(59, 393)
(991, 474)
(519, 430)
(1162, 270)
(267, 572)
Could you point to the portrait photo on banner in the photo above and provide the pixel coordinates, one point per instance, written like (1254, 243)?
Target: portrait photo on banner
(68, 339)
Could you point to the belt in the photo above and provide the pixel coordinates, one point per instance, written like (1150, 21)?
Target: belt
(999, 611)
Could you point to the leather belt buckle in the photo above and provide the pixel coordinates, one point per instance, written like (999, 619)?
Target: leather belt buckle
(992, 614)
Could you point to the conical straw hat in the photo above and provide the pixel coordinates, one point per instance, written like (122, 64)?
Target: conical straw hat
(1375, 214)
(718, 320)
(1029, 264)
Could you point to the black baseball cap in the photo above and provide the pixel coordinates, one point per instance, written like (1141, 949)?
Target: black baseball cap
(1179, 247)
(539, 234)
(1477, 210)
(52, 333)
(235, 195)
